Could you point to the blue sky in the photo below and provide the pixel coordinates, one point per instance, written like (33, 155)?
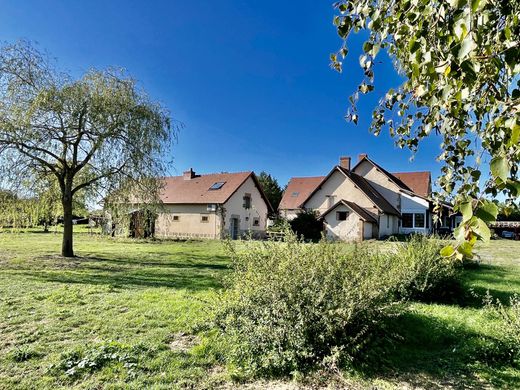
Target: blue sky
(249, 80)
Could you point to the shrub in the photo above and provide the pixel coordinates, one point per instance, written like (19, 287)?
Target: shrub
(307, 225)
(291, 306)
(508, 322)
(426, 274)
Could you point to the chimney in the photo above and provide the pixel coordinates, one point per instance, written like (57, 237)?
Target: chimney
(362, 156)
(344, 162)
(188, 175)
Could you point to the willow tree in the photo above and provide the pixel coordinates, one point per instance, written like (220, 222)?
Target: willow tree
(461, 64)
(98, 131)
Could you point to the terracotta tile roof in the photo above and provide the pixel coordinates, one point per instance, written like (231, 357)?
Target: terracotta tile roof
(363, 214)
(418, 182)
(178, 190)
(297, 191)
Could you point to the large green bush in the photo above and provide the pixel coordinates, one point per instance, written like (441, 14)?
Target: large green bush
(291, 306)
(426, 274)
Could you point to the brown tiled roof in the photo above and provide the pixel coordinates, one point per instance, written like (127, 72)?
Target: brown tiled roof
(297, 191)
(364, 214)
(418, 182)
(178, 190)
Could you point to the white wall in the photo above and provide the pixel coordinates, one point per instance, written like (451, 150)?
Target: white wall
(348, 230)
(189, 223)
(342, 188)
(381, 182)
(388, 225)
(235, 207)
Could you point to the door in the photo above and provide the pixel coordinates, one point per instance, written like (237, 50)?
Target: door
(233, 228)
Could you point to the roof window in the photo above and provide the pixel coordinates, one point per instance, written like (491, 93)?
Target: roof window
(217, 186)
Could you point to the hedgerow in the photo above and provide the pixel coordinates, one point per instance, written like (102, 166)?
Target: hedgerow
(292, 306)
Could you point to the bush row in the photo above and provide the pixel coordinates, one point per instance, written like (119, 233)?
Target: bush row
(292, 306)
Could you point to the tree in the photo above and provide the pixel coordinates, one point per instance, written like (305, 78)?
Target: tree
(271, 188)
(307, 225)
(461, 61)
(99, 132)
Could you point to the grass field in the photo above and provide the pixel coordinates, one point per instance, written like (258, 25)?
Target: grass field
(125, 314)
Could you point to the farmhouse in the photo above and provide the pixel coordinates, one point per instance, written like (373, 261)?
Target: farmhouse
(365, 201)
(212, 206)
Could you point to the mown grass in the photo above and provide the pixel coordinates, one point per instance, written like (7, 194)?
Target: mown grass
(148, 297)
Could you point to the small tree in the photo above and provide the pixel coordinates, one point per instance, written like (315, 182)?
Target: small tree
(271, 188)
(98, 132)
(307, 225)
(461, 61)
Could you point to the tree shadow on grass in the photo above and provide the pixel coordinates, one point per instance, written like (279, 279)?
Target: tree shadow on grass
(494, 281)
(432, 353)
(188, 272)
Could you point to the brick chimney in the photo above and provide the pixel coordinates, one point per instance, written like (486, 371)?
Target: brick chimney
(362, 156)
(344, 162)
(188, 175)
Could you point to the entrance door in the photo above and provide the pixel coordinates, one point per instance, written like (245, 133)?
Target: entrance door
(233, 228)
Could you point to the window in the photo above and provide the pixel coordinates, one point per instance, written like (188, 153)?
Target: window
(176, 218)
(387, 221)
(247, 201)
(204, 218)
(407, 220)
(217, 186)
(341, 215)
(419, 220)
(295, 194)
(256, 221)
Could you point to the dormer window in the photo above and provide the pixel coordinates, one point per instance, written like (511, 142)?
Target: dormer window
(217, 186)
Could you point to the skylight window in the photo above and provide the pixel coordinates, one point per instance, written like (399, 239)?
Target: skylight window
(217, 186)
(295, 194)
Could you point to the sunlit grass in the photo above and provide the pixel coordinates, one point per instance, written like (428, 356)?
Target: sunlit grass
(148, 295)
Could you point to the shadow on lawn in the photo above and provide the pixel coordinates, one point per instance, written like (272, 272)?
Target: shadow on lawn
(190, 272)
(428, 352)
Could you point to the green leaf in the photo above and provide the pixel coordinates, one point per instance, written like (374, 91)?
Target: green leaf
(474, 5)
(488, 211)
(499, 168)
(466, 47)
(466, 249)
(467, 211)
(515, 135)
(447, 251)
(482, 229)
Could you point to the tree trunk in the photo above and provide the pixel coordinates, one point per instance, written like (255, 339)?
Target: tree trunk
(67, 249)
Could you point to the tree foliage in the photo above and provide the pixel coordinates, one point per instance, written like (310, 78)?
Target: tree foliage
(271, 188)
(461, 62)
(99, 132)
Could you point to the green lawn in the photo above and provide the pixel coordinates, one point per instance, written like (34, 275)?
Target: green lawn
(130, 309)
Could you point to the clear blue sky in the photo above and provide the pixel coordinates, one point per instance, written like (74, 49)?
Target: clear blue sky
(250, 80)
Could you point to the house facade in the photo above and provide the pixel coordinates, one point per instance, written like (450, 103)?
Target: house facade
(212, 206)
(364, 201)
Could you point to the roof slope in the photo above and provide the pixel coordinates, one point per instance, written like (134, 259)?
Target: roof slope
(418, 182)
(363, 214)
(364, 186)
(374, 195)
(298, 190)
(178, 190)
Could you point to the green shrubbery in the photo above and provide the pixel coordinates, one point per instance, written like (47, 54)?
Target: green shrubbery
(426, 275)
(508, 317)
(292, 306)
